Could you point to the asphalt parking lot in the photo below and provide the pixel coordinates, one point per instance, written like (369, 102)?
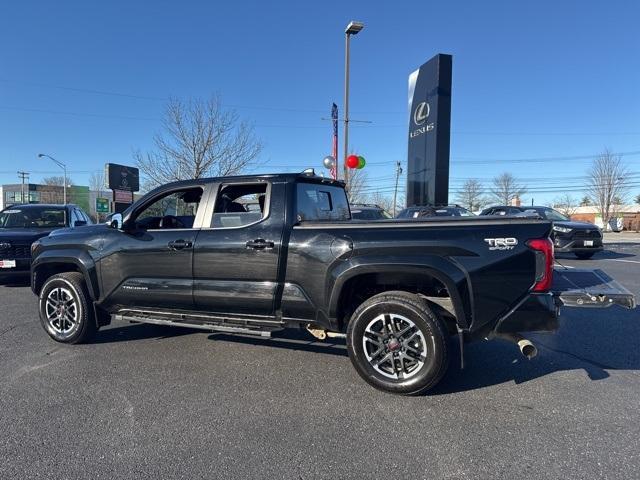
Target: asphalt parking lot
(155, 402)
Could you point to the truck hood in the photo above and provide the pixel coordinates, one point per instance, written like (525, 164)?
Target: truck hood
(87, 230)
(576, 225)
(23, 235)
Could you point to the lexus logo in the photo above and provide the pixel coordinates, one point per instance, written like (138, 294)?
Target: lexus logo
(5, 245)
(421, 113)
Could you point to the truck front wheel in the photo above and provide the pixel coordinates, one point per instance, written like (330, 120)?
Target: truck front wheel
(65, 309)
(397, 343)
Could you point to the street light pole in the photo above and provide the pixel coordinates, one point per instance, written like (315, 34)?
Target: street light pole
(64, 169)
(352, 29)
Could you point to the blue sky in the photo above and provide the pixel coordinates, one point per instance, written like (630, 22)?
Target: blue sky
(531, 80)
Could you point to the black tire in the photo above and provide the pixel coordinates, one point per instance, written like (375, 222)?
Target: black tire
(584, 255)
(65, 309)
(402, 309)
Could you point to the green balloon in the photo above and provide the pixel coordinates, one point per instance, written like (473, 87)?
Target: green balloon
(361, 162)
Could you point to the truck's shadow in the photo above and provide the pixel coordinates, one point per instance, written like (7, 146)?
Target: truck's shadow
(139, 331)
(594, 344)
(290, 340)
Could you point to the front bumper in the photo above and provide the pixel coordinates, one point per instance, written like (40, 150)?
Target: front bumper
(571, 245)
(23, 266)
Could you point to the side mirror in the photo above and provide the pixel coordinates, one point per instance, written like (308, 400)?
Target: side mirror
(79, 223)
(116, 221)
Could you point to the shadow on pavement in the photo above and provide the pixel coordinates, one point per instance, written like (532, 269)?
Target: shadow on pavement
(290, 340)
(595, 343)
(15, 281)
(140, 331)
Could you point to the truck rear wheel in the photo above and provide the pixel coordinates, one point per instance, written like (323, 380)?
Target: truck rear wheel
(397, 343)
(65, 309)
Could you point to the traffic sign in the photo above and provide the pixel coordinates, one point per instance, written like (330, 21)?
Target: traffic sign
(102, 205)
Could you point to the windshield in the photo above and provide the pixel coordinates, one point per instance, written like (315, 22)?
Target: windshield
(552, 215)
(32, 217)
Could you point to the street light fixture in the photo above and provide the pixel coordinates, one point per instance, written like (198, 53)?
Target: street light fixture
(64, 168)
(352, 29)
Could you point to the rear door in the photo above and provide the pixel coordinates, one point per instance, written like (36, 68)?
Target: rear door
(237, 253)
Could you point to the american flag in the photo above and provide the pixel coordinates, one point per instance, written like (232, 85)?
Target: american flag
(334, 151)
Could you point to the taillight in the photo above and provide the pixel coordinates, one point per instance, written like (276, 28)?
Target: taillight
(544, 263)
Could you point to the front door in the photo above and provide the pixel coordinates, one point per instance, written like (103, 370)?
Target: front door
(236, 256)
(151, 265)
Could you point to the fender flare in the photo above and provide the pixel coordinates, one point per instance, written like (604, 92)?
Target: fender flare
(450, 275)
(80, 259)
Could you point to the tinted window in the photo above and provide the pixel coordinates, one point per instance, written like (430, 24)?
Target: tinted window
(173, 210)
(321, 202)
(551, 214)
(368, 214)
(240, 205)
(32, 217)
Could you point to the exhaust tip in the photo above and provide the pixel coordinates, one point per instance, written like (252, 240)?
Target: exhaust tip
(527, 348)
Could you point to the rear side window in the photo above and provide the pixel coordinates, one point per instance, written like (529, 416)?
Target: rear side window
(317, 202)
(240, 205)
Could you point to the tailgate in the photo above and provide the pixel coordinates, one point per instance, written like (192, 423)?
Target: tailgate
(589, 288)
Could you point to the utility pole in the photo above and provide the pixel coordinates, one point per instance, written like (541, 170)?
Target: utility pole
(395, 191)
(23, 176)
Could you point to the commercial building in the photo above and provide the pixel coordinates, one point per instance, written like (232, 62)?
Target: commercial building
(35, 193)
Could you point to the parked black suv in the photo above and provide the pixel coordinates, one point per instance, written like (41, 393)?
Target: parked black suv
(580, 238)
(21, 225)
(429, 211)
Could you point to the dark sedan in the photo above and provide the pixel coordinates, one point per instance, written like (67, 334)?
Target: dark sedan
(363, 211)
(580, 238)
(21, 225)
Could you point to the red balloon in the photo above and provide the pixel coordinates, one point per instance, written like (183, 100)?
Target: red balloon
(353, 161)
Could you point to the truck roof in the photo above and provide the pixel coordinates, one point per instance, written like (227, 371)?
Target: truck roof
(308, 175)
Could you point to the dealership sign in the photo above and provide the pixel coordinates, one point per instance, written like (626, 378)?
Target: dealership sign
(122, 177)
(429, 131)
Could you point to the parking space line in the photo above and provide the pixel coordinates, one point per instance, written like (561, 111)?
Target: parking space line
(619, 260)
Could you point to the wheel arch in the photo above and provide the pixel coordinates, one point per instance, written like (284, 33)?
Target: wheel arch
(48, 264)
(360, 282)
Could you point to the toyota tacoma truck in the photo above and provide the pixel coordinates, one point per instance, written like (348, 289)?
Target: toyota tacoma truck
(256, 254)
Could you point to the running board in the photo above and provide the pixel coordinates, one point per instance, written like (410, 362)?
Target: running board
(262, 328)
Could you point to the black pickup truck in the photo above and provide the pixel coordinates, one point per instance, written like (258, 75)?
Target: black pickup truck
(192, 254)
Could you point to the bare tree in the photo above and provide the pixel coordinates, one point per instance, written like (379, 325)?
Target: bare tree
(566, 204)
(199, 138)
(637, 199)
(96, 182)
(57, 181)
(471, 195)
(607, 184)
(383, 201)
(505, 188)
(356, 189)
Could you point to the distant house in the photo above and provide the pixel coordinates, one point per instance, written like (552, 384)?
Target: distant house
(629, 215)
